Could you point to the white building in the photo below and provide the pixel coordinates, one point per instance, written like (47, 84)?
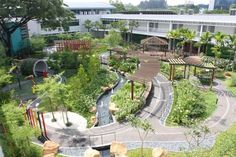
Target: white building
(160, 25)
(83, 11)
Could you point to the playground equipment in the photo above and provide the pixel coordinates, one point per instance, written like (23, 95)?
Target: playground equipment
(36, 67)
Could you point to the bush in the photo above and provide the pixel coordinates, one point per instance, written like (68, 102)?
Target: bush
(37, 43)
(27, 66)
(232, 81)
(5, 78)
(189, 105)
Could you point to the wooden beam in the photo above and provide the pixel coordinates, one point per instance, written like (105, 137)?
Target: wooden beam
(132, 90)
(170, 75)
(185, 68)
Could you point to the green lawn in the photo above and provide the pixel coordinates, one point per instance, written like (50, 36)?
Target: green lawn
(210, 99)
(231, 89)
(224, 147)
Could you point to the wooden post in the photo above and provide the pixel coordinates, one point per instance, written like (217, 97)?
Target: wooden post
(173, 73)
(170, 72)
(213, 76)
(185, 67)
(132, 90)
(110, 53)
(195, 71)
(44, 126)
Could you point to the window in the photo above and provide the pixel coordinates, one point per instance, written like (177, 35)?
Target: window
(74, 23)
(204, 29)
(174, 26)
(151, 25)
(156, 25)
(211, 29)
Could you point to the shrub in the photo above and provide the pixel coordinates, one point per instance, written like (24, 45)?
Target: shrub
(4, 78)
(232, 82)
(189, 105)
(37, 43)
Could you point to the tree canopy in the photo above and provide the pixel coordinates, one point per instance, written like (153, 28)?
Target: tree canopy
(14, 14)
(153, 4)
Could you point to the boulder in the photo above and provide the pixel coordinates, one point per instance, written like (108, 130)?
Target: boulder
(93, 109)
(118, 149)
(92, 153)
(50, 147)
(93, 119)
(105, 88)
(113, 108)
(159, 152)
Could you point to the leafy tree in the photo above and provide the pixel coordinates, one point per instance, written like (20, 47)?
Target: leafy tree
(83, 77)
(130, 7)
(141, 125)
(113, 38)
(5, 78)
(98, 25)
(220, 43)
(190, 35)
(93, 67)
(118, 4)
(153, 4)
(88, 24)
(37, 43)
(52, 90)
(231, 43)
(205, 39)
(14, 14)
(132, 25)
(174, 34)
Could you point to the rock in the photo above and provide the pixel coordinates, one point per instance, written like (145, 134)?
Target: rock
(159, 152)
(93, 109)
(113, 108)
(92, 153)
(104, 88)
(49, 155)
(50, 147)
(118, 149)
(93, 119)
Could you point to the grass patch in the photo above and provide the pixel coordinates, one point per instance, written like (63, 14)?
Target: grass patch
(123, 101)
(224, 147)
(232, 89)
(191, 105)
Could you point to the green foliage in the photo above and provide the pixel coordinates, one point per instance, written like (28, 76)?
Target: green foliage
(5, 78)
(88, 24)
(118, 4)
(113, 39)
(64, 60)
(26, 66)
(232, 81)
(123, 100)
(17, 139)
(57, 16)
(93, 66)
(37, 43)
(189, 104)
(150, 4)
(129, 65)
(216, 11)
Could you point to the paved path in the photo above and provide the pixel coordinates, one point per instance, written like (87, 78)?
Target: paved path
(73, 142)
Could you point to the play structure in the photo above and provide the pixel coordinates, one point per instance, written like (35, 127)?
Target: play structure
(73, 45)
(36, 67)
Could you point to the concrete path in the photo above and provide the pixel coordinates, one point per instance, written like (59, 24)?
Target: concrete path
(72, 141)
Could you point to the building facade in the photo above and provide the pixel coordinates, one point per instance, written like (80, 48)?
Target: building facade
(221, 4)
(83, 11)
(160, 25)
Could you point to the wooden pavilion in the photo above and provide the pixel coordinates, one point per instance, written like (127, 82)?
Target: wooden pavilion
(194, 61)
(154, 41)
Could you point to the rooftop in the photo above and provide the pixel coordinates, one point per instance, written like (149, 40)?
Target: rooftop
(88, 5)
(180, 18)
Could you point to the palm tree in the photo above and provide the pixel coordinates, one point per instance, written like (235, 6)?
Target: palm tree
(132, 24)
(190, 35)
(174, 34)
(231, 43)
(219, 44)
(205, 39)
(88, 24)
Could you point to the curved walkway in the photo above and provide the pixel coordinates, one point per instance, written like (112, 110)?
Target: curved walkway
(72, 142)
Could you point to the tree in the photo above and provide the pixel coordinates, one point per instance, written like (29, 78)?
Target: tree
(153, 4)
(141, 125)
(88, 24)
(93, 67)
(52, 90)
(219, 44)
(190, 35)
(122, 28)
(83, 77)
(98, 25)
(205, 39)
(132, 25)
(130, 7)
(174, 34)
(14, 14)
(113, 38)
(231, 43)
(118, 4)
(37, 43)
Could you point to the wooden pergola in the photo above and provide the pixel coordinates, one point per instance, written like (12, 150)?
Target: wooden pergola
(194, 61)
(154, 41)
(149, 67)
